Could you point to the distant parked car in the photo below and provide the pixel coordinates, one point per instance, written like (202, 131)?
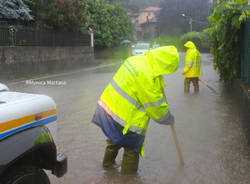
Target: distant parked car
(156, 45)
(140, 48)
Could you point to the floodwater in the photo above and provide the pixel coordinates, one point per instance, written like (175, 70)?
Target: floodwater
(209, 127)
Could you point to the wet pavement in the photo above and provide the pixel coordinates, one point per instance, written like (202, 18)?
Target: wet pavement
(209, 127)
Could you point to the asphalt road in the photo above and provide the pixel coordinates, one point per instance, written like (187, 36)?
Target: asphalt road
(209, 128)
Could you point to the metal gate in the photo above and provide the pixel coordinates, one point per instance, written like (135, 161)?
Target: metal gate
(245, 54)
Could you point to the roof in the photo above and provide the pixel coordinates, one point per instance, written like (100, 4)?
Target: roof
(151, 9)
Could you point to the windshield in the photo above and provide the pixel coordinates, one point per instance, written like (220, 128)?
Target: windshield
(142, 46)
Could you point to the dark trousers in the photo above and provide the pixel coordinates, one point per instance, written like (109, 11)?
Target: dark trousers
(195, 82)
(130, 160)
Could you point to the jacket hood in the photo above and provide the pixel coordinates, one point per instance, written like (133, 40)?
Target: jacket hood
(190, 45)
(163, 60)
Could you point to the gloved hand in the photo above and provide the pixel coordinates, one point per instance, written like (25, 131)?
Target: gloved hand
(167, 120)
(170, 120)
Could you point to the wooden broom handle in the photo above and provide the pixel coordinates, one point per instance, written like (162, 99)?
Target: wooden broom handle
(177, 145)
(175, 137)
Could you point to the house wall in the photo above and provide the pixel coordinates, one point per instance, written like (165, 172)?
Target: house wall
(142, 18)
(149, 31)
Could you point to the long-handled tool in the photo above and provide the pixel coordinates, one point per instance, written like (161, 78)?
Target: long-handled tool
(177, 145)
(205, 84)
(175, 137)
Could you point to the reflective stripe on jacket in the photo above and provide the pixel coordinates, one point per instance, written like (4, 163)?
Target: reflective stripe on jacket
(113, 131)
(134, 95)
(192, 61)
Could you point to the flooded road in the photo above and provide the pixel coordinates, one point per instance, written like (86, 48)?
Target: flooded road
(209, 128)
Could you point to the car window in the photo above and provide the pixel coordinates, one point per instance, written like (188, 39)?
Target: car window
(142, 46)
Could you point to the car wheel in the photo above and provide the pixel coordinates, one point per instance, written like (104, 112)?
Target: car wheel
(26, 175)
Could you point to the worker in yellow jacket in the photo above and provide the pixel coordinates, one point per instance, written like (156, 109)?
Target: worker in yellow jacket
(192, 70)
(133, 97)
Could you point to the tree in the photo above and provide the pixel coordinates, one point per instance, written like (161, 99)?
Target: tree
(15, 10)
(111, 23)
(67, 15)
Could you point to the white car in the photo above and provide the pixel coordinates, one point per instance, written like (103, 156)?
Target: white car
(140, 48)
(156, 45)
(27, 138)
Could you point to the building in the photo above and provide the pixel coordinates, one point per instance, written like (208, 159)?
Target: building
(148, 14)
(146, 22)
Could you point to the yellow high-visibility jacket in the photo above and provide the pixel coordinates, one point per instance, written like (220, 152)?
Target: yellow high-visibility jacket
(192, 61)
(135, 93)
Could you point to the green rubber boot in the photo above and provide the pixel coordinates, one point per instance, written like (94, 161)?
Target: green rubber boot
(110, 154)
(130, 161)
(196, 85)
(187, 85)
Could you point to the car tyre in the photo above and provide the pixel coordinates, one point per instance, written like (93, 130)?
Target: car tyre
(26, 175)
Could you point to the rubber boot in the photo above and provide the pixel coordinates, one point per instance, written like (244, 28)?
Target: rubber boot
(196, 85)
(186, 85)
(130, 161)
(110, 154)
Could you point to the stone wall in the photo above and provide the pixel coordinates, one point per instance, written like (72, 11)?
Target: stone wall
(26, 61)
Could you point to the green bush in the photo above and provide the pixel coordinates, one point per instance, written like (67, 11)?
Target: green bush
(225, 36)
(165, 40)
(200, 39)
(117, 53)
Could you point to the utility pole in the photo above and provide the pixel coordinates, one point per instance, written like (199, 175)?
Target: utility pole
(92, 39)
(190, 21)
(91, 31)
(191, 24)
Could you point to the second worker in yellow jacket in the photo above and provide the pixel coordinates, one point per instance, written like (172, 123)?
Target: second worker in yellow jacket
(192, 70)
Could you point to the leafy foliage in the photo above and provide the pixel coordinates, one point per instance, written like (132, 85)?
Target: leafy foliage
(111, 23)
(15, 10)
(166, 39)
(225, 36)
(200, 39)
(68, 15)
